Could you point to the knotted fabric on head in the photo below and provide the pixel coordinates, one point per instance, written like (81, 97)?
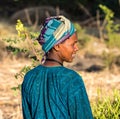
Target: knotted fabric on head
(54, 31)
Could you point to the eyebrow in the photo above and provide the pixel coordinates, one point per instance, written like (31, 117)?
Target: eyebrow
(76, 41)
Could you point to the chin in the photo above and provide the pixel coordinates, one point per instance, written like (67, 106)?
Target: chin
(70, 60)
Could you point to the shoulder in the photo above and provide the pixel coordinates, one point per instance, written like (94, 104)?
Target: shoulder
(71, 82)
(31, 72)
(29, 77)
(72, 74)
(75, 80)
(76, 84)
(71, 78)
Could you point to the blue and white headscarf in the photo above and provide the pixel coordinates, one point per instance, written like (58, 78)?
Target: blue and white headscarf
(54, 31)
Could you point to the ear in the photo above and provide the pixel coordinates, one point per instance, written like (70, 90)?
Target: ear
(56, 47)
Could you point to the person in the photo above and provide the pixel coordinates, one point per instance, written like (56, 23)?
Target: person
(51, 90)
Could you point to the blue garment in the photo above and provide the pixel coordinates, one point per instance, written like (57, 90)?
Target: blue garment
(54, 93)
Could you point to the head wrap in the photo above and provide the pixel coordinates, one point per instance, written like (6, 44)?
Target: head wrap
(54, 31)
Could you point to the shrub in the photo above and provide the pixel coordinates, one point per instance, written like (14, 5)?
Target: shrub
(107, 107)
(113, 40)
(111, 28)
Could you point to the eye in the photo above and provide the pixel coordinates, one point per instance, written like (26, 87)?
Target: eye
(72, 44)
(75, 43)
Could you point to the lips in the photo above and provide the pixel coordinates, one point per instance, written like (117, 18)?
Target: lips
(73, 55)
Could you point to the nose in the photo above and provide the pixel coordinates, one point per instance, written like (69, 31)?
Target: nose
(76, 48)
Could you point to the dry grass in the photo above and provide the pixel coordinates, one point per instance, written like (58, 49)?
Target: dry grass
(9, 101)
(7, 30)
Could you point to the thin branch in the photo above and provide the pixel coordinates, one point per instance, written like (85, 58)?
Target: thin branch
(100, 28)
(28, 17)
(36, 17)
(57, 10)
(31, 46)
(82, 7)
(47, 14)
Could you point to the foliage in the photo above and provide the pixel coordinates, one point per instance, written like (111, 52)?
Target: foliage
(82, 37)
(107, 107)
(113, 40)
(111, 28)
(23, 32)
(21, 29)
(109, 15)
(29, 37)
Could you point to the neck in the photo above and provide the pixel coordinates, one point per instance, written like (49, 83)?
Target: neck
(54, 60)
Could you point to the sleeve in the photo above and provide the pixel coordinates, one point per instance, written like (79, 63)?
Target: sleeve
(30, 95)
(25, 106)
(78, 102)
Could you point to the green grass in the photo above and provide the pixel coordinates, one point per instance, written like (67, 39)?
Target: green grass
(107, 107)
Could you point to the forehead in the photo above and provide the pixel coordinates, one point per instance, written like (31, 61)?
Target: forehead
(73, 38)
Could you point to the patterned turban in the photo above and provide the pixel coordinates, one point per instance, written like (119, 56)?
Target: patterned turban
(54, 31)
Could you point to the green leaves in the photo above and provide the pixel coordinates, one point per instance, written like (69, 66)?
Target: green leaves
(108, 17)
(23, 71)
(16, 88)
(107, 107)
(25, 36)
(108, 13)
(111, 28)
(24, 32)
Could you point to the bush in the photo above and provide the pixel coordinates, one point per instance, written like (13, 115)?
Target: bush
(107, 108)
(111, 28)
(113, 41)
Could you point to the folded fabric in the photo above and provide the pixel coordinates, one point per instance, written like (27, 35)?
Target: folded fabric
(54, 31)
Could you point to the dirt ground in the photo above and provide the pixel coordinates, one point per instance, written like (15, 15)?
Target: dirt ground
(10, 103)
(10, 99)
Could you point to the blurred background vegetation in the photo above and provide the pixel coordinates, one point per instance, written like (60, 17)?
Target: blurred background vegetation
(78, 9)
